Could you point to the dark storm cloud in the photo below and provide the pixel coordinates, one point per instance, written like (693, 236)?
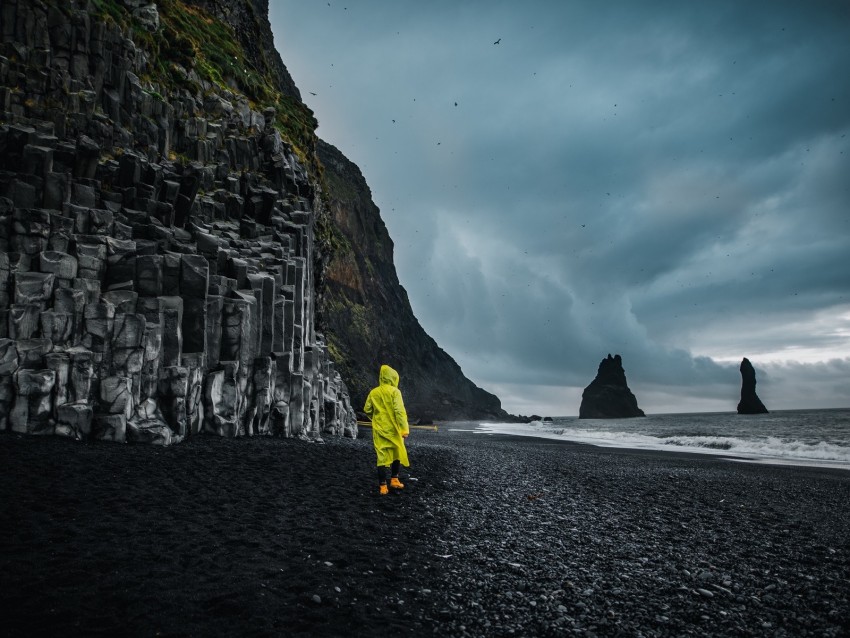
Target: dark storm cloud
(665, 180)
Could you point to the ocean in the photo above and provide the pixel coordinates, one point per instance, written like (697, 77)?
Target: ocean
(819, 438)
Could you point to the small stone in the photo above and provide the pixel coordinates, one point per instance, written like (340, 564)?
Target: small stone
(317, 599)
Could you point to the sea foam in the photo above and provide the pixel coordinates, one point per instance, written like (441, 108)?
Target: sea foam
(799, 450)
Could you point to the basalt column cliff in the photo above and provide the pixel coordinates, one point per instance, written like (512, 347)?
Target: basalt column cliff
(163, 227)
(158, 207)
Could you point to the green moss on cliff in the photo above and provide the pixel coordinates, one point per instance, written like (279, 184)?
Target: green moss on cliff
(109, 9)
(197, 40)
(190, 39)
(357, 317)
(343, 190)
(332, 240)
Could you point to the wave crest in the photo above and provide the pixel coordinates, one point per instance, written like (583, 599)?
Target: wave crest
(747, 447)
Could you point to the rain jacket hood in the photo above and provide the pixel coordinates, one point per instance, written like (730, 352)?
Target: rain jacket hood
(388, 375)
(385, 407)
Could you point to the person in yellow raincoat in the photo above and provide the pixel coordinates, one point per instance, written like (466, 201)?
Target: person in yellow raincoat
(385, 407)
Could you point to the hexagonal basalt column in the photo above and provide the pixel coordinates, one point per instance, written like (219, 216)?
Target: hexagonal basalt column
(80, 374)
(110, 427)
(296, 403)
(60, 364)
(173, 388)
(74, 420)
(8, 365)
(30, 230)
(149, 275)
(24, 320)
(116, 396)
(99, 319)
(31, 352)
(148, 426)
(172, 331)
(120, 264)
(32, 412)
(61, 265)
(235, 329)
(58, 327)
(91, 257)
(34, 288)
(195, 363)
(264, 377)
(222, 401)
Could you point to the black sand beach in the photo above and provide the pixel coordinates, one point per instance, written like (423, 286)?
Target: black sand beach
(493, 536)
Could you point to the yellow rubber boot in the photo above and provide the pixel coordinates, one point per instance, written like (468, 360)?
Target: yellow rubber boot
(396, 484)
(384, 490)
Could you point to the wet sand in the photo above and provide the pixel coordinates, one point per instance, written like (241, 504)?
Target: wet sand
(492, 535)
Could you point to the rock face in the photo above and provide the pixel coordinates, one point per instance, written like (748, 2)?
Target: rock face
(750, 402)
(158, 228)
(368, 316)
(608, 395)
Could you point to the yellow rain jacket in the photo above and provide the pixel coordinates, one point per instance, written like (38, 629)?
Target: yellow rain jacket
(385, 407)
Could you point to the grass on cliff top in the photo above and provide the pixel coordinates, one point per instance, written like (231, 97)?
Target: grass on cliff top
(191, 38)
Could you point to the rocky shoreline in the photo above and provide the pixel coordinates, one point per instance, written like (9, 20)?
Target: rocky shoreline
(493, 536)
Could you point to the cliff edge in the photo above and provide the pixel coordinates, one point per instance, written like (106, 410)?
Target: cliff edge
(367, 316)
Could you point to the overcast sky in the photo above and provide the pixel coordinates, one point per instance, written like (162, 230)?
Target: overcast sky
(665, 180)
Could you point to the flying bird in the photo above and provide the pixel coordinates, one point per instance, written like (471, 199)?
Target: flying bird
(497, 41)
(455, 103)
(311, 93)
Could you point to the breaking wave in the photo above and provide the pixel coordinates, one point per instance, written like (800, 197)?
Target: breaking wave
(793, 450)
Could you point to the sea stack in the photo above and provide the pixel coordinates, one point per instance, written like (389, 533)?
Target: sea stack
(608, 395)
(750, 402)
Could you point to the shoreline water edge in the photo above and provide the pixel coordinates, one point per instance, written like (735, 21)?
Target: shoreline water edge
(810, 438)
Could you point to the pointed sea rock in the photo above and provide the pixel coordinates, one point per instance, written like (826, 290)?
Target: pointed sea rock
(608, 395)
(750, 402)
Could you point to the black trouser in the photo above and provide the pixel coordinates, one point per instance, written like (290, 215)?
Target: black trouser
(382, 471)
